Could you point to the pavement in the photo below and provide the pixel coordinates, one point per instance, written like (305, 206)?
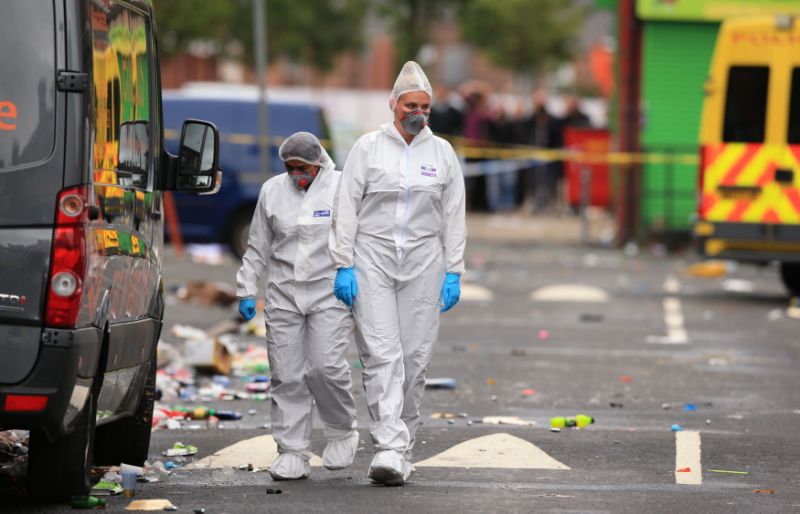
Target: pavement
(548, 327)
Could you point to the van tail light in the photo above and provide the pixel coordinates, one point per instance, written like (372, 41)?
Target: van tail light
(68, 262)
(24, 403)
(701, 175)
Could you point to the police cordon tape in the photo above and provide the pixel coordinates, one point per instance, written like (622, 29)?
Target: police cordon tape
(496, 159)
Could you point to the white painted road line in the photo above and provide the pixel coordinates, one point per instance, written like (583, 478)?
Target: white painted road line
(673, 319)
(671, 285)
(259, 451)
(688, 468)
(503, 451)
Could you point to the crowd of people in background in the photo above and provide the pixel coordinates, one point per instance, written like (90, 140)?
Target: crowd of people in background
(481, 124)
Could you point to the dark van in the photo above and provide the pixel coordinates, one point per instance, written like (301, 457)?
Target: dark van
(82, 173)
(226, 217)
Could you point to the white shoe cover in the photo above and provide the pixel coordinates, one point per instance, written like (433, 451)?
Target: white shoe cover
(339, 454)
(290, 466)
(389, 468)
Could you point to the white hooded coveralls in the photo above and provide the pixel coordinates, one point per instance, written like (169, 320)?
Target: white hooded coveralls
(308, 329)
(399, 221)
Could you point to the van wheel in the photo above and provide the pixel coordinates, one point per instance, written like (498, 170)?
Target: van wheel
(62, 468)
(239, 230)
(128, 440)
(790, 274)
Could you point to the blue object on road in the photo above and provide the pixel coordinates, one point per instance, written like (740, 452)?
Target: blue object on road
(247, 308)
(451, 291)
(259, 378)
(676, 428)
(690, 407)
(345, 288)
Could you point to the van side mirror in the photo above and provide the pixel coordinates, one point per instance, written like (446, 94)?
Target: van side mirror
(198, 158)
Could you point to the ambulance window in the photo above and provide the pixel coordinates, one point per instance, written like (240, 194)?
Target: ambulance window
(27, 82)
(793, 134)
(746, 104)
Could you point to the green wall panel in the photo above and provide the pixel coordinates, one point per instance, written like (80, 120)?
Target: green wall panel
(675, 61)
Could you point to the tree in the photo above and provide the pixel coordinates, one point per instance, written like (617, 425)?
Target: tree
(527, 36)
(312, 32)
(410, 21)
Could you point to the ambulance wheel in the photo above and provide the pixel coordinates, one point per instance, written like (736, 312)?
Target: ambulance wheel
(790, 274)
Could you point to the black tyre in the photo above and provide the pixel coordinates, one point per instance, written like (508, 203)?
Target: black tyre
(239, 230)
(128, 440)
(62, 468)
(790, 274)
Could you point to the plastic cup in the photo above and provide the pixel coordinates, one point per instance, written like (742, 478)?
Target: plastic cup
(129, 483)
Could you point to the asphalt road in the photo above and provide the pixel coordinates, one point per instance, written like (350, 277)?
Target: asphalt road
(652, 340)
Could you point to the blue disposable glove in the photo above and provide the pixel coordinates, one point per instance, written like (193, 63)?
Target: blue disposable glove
(247, 308)
(451, 291)
(345, 288)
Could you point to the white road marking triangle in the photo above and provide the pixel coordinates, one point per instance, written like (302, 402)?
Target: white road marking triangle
(493, 451)
(569, 293)
(259, 451)
(475, 293)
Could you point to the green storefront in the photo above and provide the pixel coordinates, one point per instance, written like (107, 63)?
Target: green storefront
(677, 42)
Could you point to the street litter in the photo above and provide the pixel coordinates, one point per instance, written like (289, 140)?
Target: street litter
(528, 392)
(543, 335)
(579, 421)
(151, 505)
(270, 490)
(87, 502)
(729, 472)
(615, 405)
(683, 470)
(518, 352)
(507, 420)
(188, 332)
(212, 254)
(201, 292)
(765, 491)
(676, 427)
(13, 453)
(665, 406)
(209, 355)
(793, 311)
(104, 488)
(774, 314)
(737, 285)
(591, 318)
(690, 407)
(490, 381)
(440, 383)
(708, 269)
(180, 450)
(626, 379)
(448, 415)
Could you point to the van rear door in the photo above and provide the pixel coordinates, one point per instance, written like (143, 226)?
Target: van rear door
(31, 161)
(750, 140)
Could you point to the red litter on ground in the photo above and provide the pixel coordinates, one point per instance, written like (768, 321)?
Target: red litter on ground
(626, 379)
(543, 335)
(684, 470)
(528, 392)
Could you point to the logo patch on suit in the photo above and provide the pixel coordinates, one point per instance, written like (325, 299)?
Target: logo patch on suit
(322, 214)
(427, 170)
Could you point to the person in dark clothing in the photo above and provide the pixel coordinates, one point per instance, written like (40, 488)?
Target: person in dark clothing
(501, 184)
(445, 120)
(574, 117)
(543, 130)
(476, 134)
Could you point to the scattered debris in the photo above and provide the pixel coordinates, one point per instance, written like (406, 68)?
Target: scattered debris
(491, 381)
(271, 490)
(615, 405)
(729, 472)
(507, 420)
(793, 311)
(683, 470)
(543, 335)
(579, 421)
(104, 488)
(180, 450)
(528, 392)
(87, 502)
(676, 427)
(209, 355)
(765, 491)
(666, 406)
(708, 269)
(591, 318)
(201, 292)
(775, 314)
(440, 383)
(151, 505)
(690, 407)
(738, 285)
(448, 415)
(626, 379)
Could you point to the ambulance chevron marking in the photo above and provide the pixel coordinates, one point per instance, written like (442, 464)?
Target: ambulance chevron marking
(741, 163)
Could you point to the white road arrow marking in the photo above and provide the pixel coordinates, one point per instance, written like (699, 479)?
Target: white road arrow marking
(259, 451)
(493, 451)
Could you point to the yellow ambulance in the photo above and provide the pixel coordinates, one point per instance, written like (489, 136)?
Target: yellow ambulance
(749, 177)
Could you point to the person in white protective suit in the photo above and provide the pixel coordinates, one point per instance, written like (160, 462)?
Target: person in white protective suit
(397, 242)
(308, 330)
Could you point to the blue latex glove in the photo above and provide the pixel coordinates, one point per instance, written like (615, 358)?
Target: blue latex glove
(247, 308)
(345, 288)
(451, 291)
